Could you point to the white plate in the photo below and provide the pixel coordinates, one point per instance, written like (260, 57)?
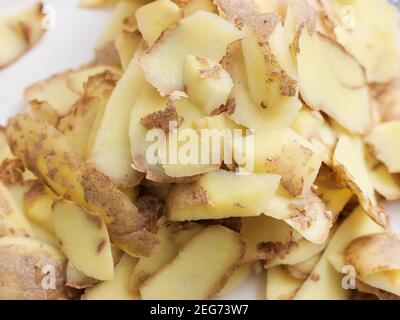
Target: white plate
(70, 45)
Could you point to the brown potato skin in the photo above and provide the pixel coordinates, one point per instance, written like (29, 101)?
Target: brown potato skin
(374, 253)
(378, 293)
(44, 150)
(375, 212)
(43, 110)
(185, 195)
(21, 274)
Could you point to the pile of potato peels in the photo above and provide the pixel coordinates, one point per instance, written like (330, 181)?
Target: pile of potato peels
(84, 214)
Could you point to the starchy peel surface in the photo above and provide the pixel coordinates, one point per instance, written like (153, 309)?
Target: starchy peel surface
(300, 104)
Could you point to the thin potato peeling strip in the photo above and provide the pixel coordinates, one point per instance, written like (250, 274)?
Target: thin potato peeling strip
(176, 42)
(20, 31)
(207, 140)
(179, 279)
(78, 180)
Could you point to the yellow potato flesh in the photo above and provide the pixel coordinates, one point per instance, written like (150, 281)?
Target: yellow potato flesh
(111, 150)
(177, 151)
(280, 284)
(263, 229)
(153, 18)
(118, 288)
(77, 124)
(206, 91)
(148, 266)
(20, 31)
(123, 10)
(307, 215)
(12, 218)
(77, 180)
(148, 101)
(54, 91)
(223, 196)
(126, 44)
(302, 251)
(346, 97)
(84, 240)
(77, 79)
(349, 163)
(180, 236)
(384, 183)
(324, 283)
(383, 140)
(188, 277)
(307, 266)
(329, 268)
(286, 153)
(368, 36)
(263, 83)
(247, 112)
(38, 202)
(307, 122)
(198, 5)
(238, 277)
(175, 44)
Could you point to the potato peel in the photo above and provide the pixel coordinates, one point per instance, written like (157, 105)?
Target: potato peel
(175, 43)
(351, 167)
(20, 31)
(175, 281)
(348, 89)
(303, 95)
(42, 148)
(22, 260)
(374, 253)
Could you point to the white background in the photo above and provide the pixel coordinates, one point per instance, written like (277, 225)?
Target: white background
(69, 46)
